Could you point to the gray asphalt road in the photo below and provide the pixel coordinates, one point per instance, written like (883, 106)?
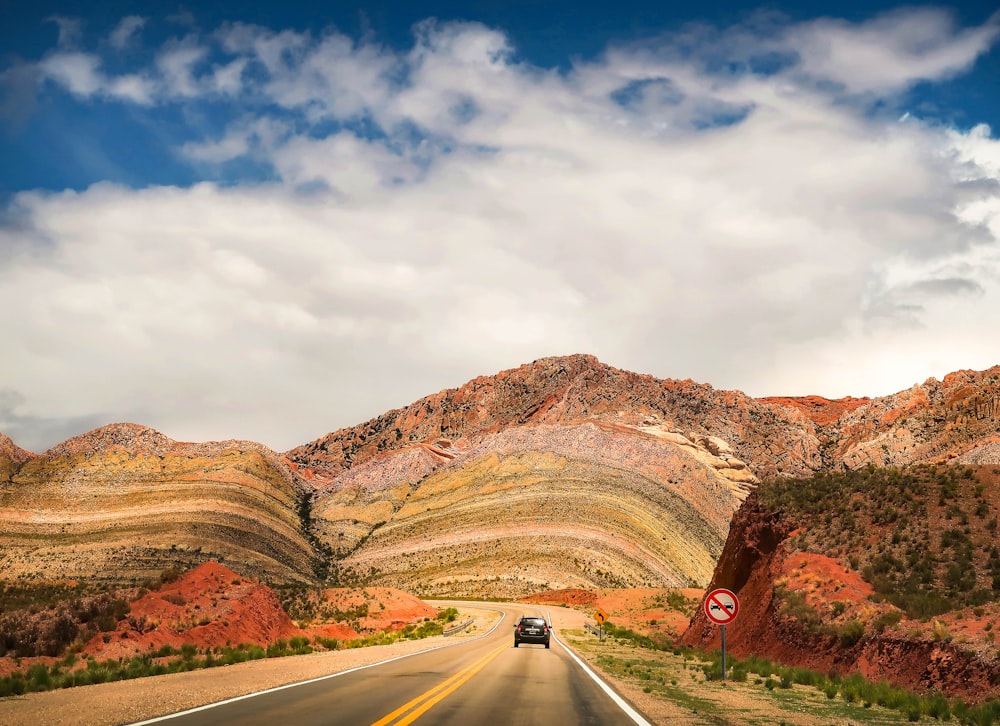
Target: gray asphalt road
(485, 681)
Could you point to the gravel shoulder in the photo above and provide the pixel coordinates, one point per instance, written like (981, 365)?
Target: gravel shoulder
(125, 702)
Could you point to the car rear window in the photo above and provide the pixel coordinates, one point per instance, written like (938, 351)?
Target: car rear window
(533, 621)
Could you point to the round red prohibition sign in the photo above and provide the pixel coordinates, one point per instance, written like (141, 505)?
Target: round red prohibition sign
(721, 606)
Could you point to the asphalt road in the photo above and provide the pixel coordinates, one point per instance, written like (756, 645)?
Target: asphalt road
(482, 681)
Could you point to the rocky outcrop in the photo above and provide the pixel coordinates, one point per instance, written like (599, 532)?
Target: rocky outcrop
(774, 436)
(933, 422)
(210, 606)
(573, 389)
(11, 457)
(124, 502)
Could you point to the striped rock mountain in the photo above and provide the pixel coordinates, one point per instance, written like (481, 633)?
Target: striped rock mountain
(124, 502)
(560, 473)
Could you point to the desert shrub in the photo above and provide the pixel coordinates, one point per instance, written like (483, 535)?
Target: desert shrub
(794, 605)
(940, 630)
(52, 630)
(656, 641)
(887, 620)
(277, 648)
(328, 643)
(851, 633)
(447, 615)
(170, 574)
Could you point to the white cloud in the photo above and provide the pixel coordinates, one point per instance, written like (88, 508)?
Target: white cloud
(747, 229)
(70, 30)
(78, 72)
(894, 50)
(177, 63)
(125, 32)
(81, 75)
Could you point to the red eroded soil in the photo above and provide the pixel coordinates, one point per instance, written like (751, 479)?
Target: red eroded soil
(824, 581)
(209, 606)
(387, 607)
(953, 657)
(572, 597)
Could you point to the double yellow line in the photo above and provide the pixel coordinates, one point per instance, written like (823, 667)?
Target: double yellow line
(422, 703)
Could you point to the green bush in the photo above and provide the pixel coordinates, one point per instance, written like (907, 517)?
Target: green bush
(851, 633)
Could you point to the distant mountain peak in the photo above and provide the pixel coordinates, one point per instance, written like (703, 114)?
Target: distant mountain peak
(132, 438)
(10, 450)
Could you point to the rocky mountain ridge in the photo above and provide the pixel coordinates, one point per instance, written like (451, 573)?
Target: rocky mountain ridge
(543, 458)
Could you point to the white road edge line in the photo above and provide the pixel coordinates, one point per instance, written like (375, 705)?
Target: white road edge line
(244, 697)
(619, 701)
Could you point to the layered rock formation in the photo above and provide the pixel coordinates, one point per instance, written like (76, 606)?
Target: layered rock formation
(606, 477)
(537, 507)
(123, 502)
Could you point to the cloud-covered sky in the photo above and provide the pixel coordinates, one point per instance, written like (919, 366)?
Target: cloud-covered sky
(248, 225)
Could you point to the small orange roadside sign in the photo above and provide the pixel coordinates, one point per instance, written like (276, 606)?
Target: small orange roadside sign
(600, 615)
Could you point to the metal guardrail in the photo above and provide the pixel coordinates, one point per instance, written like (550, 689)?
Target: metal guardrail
(592, 629)
(459, 628)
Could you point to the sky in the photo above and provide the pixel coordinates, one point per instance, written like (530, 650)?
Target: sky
(271, 221)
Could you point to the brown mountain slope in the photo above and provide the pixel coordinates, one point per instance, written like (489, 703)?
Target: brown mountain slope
(124, 502)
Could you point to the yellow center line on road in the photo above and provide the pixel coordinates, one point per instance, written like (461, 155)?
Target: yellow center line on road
(438, 693)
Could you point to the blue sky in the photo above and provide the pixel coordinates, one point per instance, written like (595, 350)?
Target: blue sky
(269, 221)
(59, 143)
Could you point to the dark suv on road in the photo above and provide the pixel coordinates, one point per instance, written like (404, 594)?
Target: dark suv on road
(530, 629)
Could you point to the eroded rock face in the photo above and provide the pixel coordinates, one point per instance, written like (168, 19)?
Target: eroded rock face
(124, 502)
(210, 606)
(11, 457)
(932, 422)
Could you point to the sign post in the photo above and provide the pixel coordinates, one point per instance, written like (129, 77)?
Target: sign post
(721, 607)
(601, 617)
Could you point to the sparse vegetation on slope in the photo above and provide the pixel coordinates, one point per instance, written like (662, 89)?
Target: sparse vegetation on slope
(924, 537)
(58, 636)
(52, 623)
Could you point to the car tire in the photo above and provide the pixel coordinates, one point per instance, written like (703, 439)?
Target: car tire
(515, 643)
(546, 645)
